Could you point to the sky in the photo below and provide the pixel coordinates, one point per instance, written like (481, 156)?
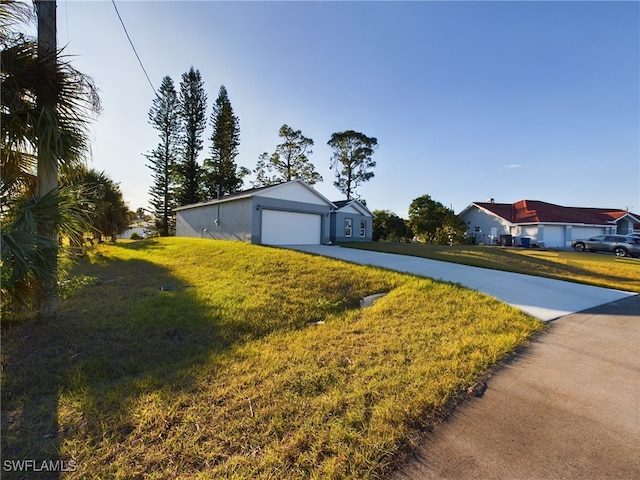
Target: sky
(468, 101)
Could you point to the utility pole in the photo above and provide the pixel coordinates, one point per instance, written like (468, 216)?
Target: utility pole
(47, 180)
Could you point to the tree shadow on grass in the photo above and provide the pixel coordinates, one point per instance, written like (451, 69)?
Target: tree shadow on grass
(112, 342)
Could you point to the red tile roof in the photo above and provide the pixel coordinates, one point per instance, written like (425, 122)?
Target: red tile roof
(535, 211)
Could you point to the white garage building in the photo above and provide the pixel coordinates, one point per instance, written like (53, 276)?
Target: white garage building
(290, 213)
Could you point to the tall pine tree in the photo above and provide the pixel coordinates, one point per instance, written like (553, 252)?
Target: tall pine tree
(164, 115)
(289, 161)
(221, 174)
(193, 108)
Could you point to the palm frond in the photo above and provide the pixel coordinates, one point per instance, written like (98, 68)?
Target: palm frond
(43, 115)
(12, 14)
(30, 255)
(27, 127)
(28, 260)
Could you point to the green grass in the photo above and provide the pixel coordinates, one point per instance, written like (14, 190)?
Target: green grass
(230, 375)
(589, 268)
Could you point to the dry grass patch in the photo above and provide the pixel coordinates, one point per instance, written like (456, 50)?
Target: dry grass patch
(226, 377)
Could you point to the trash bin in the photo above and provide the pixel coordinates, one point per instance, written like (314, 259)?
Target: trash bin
(525, 242)
(506, 240)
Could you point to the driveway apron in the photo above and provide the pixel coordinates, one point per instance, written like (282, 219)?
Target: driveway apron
(543, 298)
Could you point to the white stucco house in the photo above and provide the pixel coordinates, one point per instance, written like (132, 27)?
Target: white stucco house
(543, 224)
(289, 213)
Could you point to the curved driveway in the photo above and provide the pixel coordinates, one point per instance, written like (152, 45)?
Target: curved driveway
(543, 298)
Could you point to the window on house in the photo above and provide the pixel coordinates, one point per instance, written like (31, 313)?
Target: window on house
(477, 229)
(363, 228)
(347, 227)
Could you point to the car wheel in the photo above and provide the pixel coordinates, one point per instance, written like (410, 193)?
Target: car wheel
(620, 252)
(579, 247)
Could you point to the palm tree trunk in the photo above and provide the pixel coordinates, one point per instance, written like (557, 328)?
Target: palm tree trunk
(47, 161)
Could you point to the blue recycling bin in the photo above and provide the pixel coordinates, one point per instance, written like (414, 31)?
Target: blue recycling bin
(525, 242)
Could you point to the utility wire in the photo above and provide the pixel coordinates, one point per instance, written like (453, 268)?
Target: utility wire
(134, 48)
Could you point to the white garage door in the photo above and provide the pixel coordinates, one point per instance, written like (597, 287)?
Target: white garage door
(290, 228)
(553, 236)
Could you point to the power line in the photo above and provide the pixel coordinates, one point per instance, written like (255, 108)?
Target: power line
(134, 48)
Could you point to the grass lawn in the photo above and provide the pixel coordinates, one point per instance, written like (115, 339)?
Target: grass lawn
(230, 373)
(590, 268)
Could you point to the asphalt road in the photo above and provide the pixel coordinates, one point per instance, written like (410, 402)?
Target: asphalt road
(543, 298)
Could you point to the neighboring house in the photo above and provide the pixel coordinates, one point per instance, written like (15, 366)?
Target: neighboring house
(290, 213)
(142, 232)
(351, 221)
(543, 224)
(143, 229)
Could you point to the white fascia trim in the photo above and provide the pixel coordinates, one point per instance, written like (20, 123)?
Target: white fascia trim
(310, 188)
(635, 219)
(304, 184)
(565, 223)
(364, 209)
(252, 194)
(502, 219)
(213, 202)
(359, 207)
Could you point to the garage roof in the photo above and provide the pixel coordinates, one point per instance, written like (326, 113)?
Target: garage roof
(535, 211)
(354, 204)
(260, 191)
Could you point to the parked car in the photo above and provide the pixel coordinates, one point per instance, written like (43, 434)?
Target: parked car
(620, 245)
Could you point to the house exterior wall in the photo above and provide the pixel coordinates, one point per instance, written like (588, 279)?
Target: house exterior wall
(261, 203)
(234, 221)
(578, 233)
(338, 224)
(240, 218)
(557, 235)
(547, 235)
(526, 231)
(485, 227)
(143, 232)
(624, 226)
(292, 192)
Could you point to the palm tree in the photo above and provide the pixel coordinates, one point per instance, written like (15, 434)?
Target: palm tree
(107, 214)
(45, 115)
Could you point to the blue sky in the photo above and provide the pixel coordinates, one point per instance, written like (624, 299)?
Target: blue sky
(468, 100)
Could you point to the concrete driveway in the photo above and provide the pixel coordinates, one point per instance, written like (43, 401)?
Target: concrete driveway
(543, 298)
